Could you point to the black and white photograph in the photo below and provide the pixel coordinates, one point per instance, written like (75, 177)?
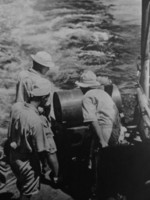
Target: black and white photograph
(74, 100)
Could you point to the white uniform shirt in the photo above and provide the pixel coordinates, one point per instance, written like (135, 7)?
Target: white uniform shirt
(26, 79)
(97, 105)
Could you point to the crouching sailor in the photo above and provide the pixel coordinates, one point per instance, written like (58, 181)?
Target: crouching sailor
(99, 110)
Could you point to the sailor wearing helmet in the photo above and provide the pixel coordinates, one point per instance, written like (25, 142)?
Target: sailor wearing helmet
(42, 63)
(99, 109)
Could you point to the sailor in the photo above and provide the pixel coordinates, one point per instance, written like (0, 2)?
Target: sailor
(30, 139)
(99, 110)
(42, 63)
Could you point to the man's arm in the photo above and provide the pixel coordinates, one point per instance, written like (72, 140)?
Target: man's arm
(23, 89)
(89, 109)
(98, 132)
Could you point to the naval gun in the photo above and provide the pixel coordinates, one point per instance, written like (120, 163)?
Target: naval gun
(68, 113)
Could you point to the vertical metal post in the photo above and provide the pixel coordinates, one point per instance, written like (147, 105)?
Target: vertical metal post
(145, 72)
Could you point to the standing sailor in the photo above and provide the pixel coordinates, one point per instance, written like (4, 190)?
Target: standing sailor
(42, 63)
(30, 139)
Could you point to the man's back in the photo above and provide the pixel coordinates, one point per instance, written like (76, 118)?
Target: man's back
(26, 79)
(99, 106)
(26, 129)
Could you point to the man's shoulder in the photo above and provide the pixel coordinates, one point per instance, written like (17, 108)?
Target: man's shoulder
(17, 106)
(17, 110)
(27, 73)
(96, 92)
(23, 74)
(24, 111)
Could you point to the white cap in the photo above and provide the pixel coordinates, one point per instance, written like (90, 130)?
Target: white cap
(88, 79)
